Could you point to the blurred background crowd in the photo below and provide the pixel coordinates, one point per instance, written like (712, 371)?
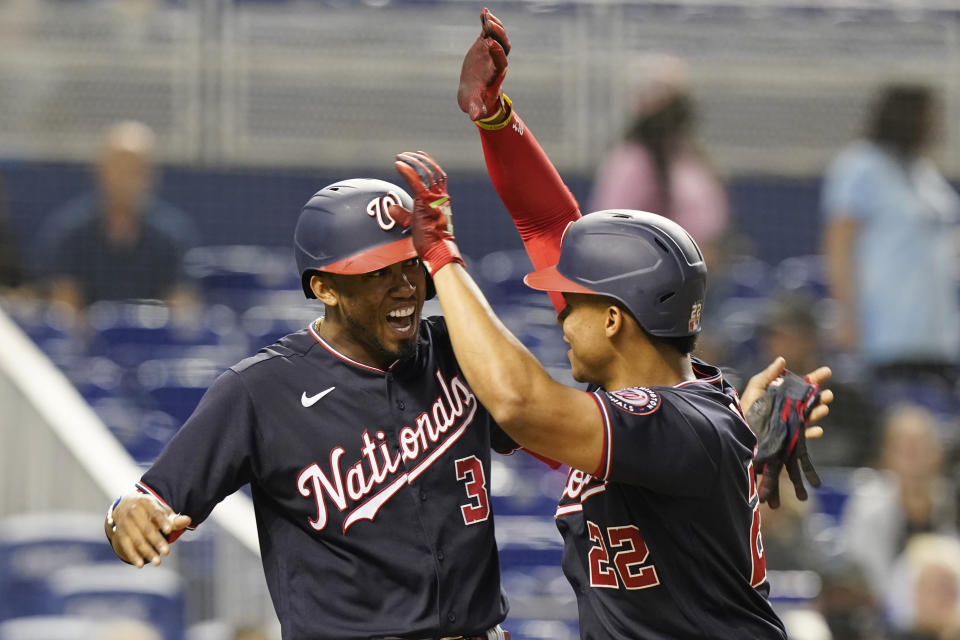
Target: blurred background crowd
(154, 156)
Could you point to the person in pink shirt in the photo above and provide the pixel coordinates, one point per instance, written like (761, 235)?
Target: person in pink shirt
(658, 165)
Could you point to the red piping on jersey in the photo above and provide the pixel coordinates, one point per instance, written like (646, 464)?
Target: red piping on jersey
(603, 469)
(326, 345)
(711, 380)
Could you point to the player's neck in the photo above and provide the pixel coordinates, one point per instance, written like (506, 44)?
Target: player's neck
(643, 363)
(343, 340)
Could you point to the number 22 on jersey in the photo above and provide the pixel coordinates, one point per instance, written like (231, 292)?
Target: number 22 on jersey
(630, 552)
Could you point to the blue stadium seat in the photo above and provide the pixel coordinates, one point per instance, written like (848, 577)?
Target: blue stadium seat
(807, 274)
(95, 377)
(33, 546)
(534, 629)
(114, 590)
(746, 277)
(48, 628)
(176, 385)
(267, 323)
(232, 274)
(142, 432)
(500, 274)
(130, 333)
(177, 401)
(528, 541)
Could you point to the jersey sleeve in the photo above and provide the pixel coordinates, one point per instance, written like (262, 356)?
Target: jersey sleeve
(539, 202)
(211, 456)
(500, 441)
(655, 441)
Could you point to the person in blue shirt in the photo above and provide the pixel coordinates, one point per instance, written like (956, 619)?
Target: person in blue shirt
(890, 243)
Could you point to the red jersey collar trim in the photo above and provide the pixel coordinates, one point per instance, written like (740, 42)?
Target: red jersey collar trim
(714, 379)
(326, 345)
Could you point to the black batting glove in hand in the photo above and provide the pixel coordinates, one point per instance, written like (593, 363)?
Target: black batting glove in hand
(431, 218)
(484, 67)
(779, 419)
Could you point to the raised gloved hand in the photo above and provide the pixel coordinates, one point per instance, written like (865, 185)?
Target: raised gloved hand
(779, 419)
(483, 69)
(431, 219)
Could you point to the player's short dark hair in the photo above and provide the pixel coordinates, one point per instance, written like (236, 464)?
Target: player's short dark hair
(684, 344)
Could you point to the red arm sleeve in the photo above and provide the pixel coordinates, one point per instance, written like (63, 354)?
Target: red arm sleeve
(539, 202)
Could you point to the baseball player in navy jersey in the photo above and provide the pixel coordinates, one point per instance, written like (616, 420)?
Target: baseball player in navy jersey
(660, 514)
(367, 453)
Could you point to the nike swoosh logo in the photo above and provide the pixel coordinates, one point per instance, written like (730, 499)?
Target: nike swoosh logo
(309, 401)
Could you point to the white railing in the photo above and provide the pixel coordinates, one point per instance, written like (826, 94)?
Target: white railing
(56, 454)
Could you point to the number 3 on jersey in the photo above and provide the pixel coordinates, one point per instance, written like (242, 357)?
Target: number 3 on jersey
(471, 470)
(627, 561)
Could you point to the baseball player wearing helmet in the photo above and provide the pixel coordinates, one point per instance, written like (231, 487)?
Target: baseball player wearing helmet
(367, 453)
(660, 514)
(666, 467)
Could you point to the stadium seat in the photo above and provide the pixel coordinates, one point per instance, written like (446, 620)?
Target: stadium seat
(48, 628)
(114, 590)
(528, 541)
(130, 333)
(176, 385)
(548, 629)
(746, 277)
(33, 546)
(234, 274)
(142, 432)
(803, 273)
(267, 323)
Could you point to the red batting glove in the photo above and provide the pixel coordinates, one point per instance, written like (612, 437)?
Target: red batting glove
(431, 218)
(483, 69)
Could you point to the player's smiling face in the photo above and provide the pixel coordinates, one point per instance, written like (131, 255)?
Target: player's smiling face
(583, 329)
(378, 313)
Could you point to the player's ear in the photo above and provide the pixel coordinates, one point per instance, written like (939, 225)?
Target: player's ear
(323, 289)
(613, 321)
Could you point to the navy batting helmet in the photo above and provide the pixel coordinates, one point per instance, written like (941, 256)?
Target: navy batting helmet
(648, 263)
(346, 228)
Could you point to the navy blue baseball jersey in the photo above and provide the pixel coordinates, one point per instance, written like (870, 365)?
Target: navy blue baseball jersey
(663, 540)
(370, 486)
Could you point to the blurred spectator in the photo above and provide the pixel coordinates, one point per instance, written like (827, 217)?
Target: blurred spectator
(11, 269)
(924, 596)
(120, 242)
(658, 165)
(250, 633)
(848, 603)
(791, 329)
(128, 630)
(789, 534)
(805, 624)
(891, 246)
(908, 495)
